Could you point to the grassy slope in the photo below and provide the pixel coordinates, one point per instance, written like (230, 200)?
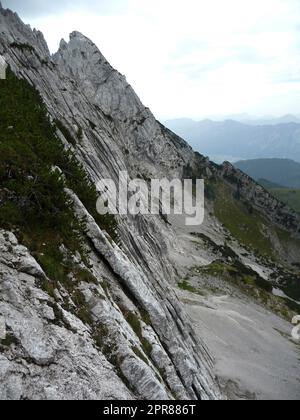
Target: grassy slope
(289, 196)
(256, 233)
(247, 225)
(244, 223)
(242, 278)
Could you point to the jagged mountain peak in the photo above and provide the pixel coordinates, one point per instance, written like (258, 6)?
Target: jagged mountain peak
(63, 44)
(89, 103)
(81, 58)
(80, 36)
(19, 35)
(82, 49)
(79, 40)
(126, 302)
(111, 93)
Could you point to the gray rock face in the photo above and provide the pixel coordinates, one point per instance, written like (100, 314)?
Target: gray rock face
(137, 341)
(275, 210)
(137, 130)
(39, 359)
(145, 336)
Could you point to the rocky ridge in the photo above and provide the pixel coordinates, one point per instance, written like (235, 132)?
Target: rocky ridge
(135, 334)
(161, 358)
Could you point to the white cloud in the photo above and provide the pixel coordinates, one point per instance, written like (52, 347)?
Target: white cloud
(191, 58)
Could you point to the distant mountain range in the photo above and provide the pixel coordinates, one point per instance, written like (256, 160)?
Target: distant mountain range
(267, 120)
(232, 140)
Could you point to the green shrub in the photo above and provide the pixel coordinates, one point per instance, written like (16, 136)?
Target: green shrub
(33, 201)
(22, 46)
(184, 285)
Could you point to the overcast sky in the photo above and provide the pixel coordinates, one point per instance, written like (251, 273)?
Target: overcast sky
(188, 58)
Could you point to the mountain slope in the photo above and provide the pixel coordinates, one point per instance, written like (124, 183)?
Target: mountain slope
(110, 307)
(281, 177)
(232, 140)
(289, 196)
(128, 320)
(283, 172)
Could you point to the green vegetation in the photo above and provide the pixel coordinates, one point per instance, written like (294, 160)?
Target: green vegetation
(210, 190)
(22, 46)
(237, 272)
(85, 276)
(134, 322)
(33, 202)
(289, 282)
(223, 250)
(251, 284)
(136, 326)
(219, 268)
(139, 354)
(243, 222)
(145, 316)
(184, 285)
(287, 196)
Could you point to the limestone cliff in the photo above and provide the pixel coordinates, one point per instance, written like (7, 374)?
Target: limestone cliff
(115, 326)
(145, 334)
